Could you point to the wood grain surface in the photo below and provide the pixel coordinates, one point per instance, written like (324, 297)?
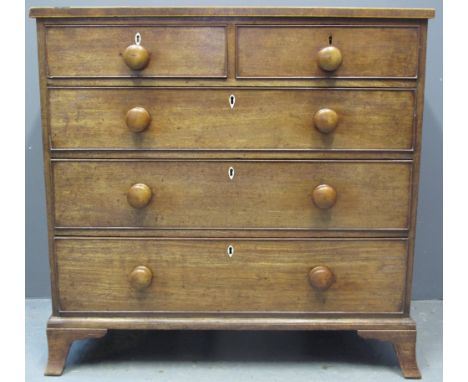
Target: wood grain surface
(261, 275)
(130, 12)
(175, 51)
(292, 51)
(200, 194)
(201, 119)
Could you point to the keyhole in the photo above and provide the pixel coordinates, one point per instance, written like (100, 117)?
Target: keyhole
(232, 101)
(231, 172)
(330, 39)
(230, 250)
(138, 39)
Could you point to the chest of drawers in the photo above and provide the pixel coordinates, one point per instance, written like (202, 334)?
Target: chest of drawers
(231, 168)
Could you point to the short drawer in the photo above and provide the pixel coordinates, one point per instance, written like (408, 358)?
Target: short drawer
(307, 276)
(171, 51)
(203, 119)
(293, 51)
(232, 194)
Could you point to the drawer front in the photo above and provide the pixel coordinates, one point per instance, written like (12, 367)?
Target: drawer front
(198, 275)
(173, 51)
(203, 119)
(201, 194)
(293, 51)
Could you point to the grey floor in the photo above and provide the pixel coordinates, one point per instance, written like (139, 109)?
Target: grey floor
(224, 356)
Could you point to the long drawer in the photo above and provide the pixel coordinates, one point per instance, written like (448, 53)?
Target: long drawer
(232, 194)
(203, 119)
(174, 51)
(104, 275)
(288, 51)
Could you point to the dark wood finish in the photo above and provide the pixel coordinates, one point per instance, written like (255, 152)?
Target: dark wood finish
(261, 276)
(293, 51)
(299, 122)
(199, 194)
(176, 51)
(404, 342)
(60, 340)
(286, 122)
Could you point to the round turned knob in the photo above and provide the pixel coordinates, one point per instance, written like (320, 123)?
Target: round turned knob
(329, 58)
(321, 277)
(139, 195)
(324, 196)
(140, 278)
(326, 120)
(136, 57)
(138, 119)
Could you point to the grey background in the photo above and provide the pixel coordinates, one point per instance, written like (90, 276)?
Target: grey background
(428, 254)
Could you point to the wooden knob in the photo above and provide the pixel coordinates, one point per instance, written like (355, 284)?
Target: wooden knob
(321, 277)
(140, 278)
(138, 119)
(326, 120)
(139, 195)
(324, 196)
(329, 58)
(136, 57)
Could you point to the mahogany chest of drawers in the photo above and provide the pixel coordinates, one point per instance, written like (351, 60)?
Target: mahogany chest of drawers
(231, 168)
